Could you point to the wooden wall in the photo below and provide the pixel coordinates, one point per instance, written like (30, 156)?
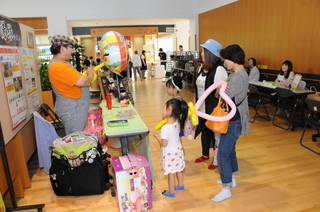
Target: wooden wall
(271, 31)
(40, 24)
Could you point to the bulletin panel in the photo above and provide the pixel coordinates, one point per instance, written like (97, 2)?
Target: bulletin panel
(20, 87)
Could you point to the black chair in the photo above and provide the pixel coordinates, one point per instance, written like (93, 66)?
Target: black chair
(255, 100)
(287, 102)
(313, 121)
(54, 119)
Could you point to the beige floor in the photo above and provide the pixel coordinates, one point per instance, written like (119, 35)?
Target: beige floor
(276, 173)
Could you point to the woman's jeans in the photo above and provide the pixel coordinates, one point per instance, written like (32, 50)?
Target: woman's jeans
(227, 159)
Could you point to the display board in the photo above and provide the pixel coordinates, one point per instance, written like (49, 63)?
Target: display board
(20, 86)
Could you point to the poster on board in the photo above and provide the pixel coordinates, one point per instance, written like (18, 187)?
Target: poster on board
(29, 74)
(10, 32)
(10, 69)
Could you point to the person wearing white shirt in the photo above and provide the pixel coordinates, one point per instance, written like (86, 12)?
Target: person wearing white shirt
(136, 64)
(286, 74)
(254, 74)
(211, 72)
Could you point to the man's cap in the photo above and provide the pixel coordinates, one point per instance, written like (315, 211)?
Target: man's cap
(61, 40)
(212, 46)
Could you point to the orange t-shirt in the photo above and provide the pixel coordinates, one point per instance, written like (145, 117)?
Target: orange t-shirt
(63, 78)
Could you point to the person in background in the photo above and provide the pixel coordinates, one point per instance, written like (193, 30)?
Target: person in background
(238, 83)
(70, 88)
(163, 58)
(286, 74)
(86, 64)
(173, 162)
(212, 71)
(136, 64)
(254, 74)
(92, 62)
(98, 61)
(143, 64)
(181, 50)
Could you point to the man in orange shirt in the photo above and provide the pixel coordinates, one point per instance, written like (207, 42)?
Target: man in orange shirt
(70, 88)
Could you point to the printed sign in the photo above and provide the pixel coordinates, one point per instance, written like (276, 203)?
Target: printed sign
(10, 33)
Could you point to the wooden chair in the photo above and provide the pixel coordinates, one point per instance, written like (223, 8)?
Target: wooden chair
(255, 100)
(313, 121)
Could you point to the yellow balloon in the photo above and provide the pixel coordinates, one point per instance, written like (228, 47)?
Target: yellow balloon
(192, 114)
(161, 123)
(95, 76)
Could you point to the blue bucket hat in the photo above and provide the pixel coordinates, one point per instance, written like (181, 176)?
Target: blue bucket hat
(212, 46)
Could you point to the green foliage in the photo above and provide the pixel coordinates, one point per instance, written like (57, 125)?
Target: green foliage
(44, 76)
(77, 54)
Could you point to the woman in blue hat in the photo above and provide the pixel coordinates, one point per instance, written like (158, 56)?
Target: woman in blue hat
(211, 71)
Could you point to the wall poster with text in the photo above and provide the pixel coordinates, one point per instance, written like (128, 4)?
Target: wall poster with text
(30, 78)
(12, 81)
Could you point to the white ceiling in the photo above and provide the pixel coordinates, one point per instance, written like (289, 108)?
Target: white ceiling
(123, 22)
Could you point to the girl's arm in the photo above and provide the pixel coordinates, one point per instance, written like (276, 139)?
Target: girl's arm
(162, 142)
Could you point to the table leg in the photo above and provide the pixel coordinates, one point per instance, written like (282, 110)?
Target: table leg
(303, 100)
(124, 145)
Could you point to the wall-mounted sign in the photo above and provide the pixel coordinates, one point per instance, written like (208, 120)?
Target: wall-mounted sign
(10, 33)
(170, 30)
(99, 32)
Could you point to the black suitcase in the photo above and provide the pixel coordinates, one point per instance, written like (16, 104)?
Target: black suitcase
(83, 174)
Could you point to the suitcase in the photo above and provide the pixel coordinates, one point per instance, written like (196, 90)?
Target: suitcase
(79, 166)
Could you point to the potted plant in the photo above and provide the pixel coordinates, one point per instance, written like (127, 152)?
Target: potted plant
(77, 54)
(45, 82)
(46, 88)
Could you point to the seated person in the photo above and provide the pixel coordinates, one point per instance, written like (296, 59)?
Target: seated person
(254, 74)
(286, 74)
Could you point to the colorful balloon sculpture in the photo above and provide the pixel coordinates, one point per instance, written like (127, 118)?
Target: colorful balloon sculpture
(223, 94)
(113, 51)
(193, 110)
(191, 113)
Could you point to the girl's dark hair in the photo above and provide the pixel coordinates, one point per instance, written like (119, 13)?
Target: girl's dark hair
(253, 61)
(179, 110)
(209, 60)
(290, 66)
(143, 52)
(177, 81)
(234, 53)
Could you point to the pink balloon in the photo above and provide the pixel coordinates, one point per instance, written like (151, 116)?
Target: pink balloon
(224, 96)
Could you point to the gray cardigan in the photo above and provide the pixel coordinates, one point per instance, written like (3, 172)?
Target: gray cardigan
(238, 88)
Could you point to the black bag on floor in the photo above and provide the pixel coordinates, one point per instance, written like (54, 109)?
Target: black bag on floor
(79, 166)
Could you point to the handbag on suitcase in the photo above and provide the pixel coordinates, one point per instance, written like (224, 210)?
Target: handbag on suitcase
(79, 166)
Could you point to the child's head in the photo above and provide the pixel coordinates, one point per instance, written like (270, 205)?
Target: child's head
(174, 85)
(177, 109)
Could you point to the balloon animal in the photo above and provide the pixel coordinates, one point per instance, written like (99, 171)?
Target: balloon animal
(193, 109)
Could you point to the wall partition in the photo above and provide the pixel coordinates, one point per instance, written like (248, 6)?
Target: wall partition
(271, 31)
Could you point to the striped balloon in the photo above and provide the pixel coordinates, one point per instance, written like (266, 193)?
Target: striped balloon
(113, 51)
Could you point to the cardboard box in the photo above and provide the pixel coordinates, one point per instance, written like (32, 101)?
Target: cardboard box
(133, 182)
